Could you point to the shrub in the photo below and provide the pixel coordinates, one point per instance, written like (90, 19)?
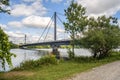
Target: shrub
(70, 54)
(46, 60)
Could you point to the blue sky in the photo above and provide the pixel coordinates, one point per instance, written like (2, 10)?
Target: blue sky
(30, 17)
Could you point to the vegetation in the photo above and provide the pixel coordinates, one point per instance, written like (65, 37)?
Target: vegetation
(5, 55)
(76, 21)
(63, 70)
(5, 3)
(46, 60)
(102, 36)
(40, 47)
(12, 45)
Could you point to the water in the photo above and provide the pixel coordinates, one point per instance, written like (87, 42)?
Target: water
(23, 55)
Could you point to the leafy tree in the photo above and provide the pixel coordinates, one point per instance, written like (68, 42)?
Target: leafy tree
(102, 36)
(5, 3)
(76, 21)
(5, 55)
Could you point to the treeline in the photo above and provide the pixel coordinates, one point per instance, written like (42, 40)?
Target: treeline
(12, 45)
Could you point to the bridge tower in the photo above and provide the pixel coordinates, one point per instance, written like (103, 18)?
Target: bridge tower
(54, 46)
(25, 39)
(55, 26)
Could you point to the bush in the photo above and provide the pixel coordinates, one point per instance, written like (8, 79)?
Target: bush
(46, 60)
(70, 54)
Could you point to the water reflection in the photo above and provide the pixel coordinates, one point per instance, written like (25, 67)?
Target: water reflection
(24, 55)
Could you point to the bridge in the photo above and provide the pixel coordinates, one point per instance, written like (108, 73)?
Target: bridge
(51, 43)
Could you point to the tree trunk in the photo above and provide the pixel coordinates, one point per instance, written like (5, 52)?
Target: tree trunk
(73, 43)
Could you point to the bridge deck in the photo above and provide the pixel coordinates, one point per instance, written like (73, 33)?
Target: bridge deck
(58, 42)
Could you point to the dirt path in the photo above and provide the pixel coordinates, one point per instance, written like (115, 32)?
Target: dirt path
(106, 72)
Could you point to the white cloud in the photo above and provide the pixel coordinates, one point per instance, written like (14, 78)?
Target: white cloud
(35, 8)
(31, 38)
(60, 30)
(36, 21)
(31, 21)
(13, 34)
(31, 0)
(67, 2)
(49, 37)
(4, 27)
(19, 37)
(15, 24)
(100, 7)
(56, 1)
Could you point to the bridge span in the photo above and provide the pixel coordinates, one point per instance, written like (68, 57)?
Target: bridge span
(51, 43)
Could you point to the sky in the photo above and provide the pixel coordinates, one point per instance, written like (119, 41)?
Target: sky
(30, 17)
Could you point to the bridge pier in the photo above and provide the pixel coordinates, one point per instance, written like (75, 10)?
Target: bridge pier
(55, 51)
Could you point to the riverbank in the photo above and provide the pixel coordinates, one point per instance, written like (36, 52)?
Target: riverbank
(61, 71)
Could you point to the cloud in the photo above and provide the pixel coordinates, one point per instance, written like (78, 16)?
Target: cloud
(14, 34)
(27, 10)
(31, 21)
(3, 26)
(67, 2)
(50, 37)
(36, 21)
(19, 37)
(56, 1)
(100, 7)
(31, 0)
(15, 37)
(16, 24)
(60, 30)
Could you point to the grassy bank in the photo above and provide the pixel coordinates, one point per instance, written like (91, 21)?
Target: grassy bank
(59, 71)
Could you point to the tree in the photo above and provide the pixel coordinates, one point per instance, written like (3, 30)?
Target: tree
(76, 21)
(102, 36)
(5, 55)
(5, 3)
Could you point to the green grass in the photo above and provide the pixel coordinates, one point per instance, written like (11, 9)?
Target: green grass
(61, 71)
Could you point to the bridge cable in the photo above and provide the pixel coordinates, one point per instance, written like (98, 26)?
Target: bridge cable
(48, 31)
(61, 22)
(51, 23)
(45, 28)
(59, 19)
(61, 14)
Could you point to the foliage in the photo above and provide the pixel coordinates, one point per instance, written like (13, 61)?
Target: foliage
(40, 47)
(12, 45)
(102, 36)
(46, 60)
(5, 3)
(70, 54)
(76, 20)
(5, 55)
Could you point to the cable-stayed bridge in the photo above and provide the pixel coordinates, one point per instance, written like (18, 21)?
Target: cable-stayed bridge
(53, 43)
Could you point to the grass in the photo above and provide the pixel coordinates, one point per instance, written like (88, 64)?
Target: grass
(61, 71)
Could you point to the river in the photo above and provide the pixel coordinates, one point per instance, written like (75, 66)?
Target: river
(24, 55)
